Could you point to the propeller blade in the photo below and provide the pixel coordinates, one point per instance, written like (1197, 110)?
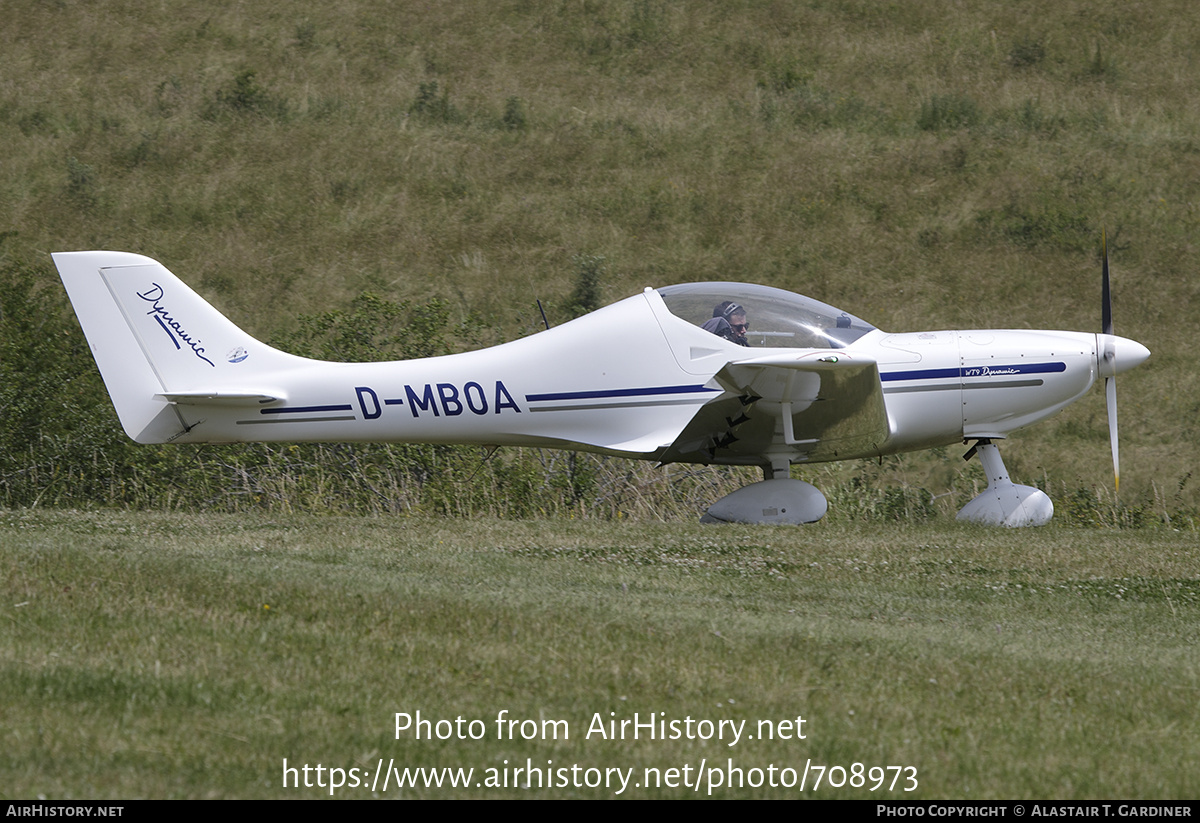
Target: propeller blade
(1106, 320)
(1109, 355)
(1113, 356)
(1110, 391)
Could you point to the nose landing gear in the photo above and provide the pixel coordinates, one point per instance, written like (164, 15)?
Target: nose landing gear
(1004, 503)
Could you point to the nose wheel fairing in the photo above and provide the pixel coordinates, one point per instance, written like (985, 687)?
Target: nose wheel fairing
(1005, 503)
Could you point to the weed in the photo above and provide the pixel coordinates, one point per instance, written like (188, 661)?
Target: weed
(948, 113)
(306, 35)
(39, 121)
(372, 329)
(1032, 118)
(647, 22)
(514, 115)
(785, 78)
(1101, 66)
(243, 95)
(862, 499)
(433, 105)
(1054, 224)
(82, 187)
(589, 275)
(810, 107)
(1026, 52)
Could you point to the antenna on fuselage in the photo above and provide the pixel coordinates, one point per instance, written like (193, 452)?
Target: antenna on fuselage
(543, 311)
(491, 453)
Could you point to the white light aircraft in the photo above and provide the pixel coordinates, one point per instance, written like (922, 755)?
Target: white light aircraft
(708, 373)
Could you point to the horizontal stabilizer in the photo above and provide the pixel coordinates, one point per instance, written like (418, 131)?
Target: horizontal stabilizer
(224, 398)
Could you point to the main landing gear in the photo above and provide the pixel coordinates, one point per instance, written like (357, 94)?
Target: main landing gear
(777, 499)
(781, 499)
(1004, 503)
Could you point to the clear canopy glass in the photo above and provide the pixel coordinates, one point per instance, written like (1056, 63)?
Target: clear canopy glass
(776, 318)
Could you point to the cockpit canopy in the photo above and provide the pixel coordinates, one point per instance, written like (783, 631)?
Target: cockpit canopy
(776, 318)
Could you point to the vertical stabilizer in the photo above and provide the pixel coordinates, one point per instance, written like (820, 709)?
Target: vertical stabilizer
(153, 338)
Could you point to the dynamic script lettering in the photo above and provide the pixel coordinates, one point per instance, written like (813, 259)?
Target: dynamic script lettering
(170, 325)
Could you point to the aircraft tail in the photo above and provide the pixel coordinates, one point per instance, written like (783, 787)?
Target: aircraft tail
(158, 344)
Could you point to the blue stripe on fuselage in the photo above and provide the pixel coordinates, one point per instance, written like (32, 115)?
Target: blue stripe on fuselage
(605, 393)
(975, 371)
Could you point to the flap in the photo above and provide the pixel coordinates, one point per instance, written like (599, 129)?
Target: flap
(834, 402)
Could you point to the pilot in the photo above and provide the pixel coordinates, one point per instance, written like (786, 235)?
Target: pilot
(729, 321)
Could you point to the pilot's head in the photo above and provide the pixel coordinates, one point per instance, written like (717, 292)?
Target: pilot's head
(735, 316)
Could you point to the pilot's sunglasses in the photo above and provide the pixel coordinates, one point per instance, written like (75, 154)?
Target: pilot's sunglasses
(740, 326)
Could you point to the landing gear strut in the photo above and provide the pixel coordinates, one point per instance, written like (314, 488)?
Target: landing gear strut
(1004, 503)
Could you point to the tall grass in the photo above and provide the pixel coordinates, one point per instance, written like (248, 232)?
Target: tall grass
(919, 165)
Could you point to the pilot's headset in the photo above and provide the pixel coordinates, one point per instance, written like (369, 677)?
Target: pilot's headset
(727, 310)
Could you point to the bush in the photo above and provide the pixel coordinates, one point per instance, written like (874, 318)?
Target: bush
(55, 415)
(588, 293)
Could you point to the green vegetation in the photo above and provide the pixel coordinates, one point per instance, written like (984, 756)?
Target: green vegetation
(921, 166)
(151, 655)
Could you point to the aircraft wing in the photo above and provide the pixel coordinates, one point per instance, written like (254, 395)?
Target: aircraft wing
(827, 404)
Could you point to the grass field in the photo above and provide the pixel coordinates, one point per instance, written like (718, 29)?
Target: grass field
(150, 655)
